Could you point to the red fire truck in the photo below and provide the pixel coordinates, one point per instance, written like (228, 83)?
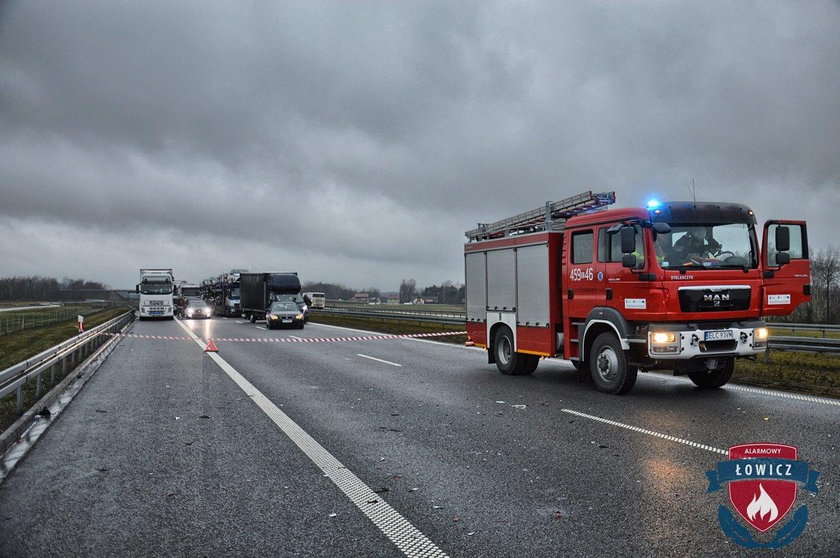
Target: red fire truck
(678, 286)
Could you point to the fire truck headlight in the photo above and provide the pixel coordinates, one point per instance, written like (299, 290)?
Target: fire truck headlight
(663, 337)
(664, 342)
(760, 336)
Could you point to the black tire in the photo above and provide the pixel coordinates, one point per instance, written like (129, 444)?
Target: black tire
(713, 378)
(582, 371)
(531, 363)
(300, 326)
(252, 317)
(268, 325)
(508, 362)
(608, 366)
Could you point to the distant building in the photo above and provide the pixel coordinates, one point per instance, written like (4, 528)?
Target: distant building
(361, 297)
(392, 299)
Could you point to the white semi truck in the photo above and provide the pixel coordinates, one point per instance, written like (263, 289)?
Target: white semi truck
(156, 288)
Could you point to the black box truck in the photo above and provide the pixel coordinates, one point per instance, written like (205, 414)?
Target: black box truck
(258, 290)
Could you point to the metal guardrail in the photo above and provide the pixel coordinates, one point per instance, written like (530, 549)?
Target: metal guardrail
(823, 328)
(805, 344)
(430, 317)
(65, 355)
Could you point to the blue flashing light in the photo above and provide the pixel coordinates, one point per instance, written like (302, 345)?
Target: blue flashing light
(653, 204)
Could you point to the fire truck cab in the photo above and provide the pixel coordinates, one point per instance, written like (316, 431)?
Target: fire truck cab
(678, 286)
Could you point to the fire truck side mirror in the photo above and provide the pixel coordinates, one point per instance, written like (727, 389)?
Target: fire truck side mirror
(782, 258)
(137, 288)
(782, 239)
(628, 240)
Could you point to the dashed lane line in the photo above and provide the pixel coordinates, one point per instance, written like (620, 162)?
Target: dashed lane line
(397, 528)
(648, 432)
(378, 360)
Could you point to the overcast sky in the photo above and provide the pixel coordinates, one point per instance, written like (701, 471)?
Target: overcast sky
(355, 142)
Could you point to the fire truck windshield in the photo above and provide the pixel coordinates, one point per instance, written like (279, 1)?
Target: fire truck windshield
(707, 245)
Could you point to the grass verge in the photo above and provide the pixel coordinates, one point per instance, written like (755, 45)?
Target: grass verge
(17, 347)
(808, 373)
(386, 325)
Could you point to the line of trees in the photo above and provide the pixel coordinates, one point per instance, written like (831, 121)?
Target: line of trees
(38, 288)
(825, 290)
(446, 293)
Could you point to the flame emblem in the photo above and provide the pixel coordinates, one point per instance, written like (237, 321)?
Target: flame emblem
(762, 504)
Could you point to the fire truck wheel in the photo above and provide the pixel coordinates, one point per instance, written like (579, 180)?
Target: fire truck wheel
(608, 365)
(531, 363)
(508, 361)
(713, 378)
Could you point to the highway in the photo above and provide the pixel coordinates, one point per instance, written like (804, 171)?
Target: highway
(397, 447)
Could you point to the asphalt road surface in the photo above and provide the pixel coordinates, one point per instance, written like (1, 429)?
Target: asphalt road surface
(396, 447)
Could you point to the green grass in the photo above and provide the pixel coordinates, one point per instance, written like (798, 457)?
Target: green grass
(16, 320)
(415, 308)
(809, 373)
(386, 325)
(17, 347)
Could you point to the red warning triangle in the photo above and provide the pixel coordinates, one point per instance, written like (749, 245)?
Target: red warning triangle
(211, 347)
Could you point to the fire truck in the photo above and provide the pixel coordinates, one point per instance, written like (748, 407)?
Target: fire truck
(678, 286)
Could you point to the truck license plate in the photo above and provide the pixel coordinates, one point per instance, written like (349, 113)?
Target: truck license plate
(720, 335)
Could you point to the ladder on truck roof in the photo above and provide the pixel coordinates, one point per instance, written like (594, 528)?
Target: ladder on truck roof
(551, 217)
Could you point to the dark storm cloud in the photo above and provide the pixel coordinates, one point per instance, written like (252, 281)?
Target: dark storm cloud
(382, 130)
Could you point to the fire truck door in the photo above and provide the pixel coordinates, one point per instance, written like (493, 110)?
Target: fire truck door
(581, 275)
(620, 286)
(785, 266)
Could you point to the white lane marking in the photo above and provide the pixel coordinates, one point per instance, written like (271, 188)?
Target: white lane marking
(378, 360)
(295, 337)
(237, 321)
(648, 432)
(261, 327)
(786, 395)
(398, 529)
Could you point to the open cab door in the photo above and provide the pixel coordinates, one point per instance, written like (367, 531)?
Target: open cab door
(786, 267)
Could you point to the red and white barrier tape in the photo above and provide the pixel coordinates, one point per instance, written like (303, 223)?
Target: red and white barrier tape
(289, 339)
